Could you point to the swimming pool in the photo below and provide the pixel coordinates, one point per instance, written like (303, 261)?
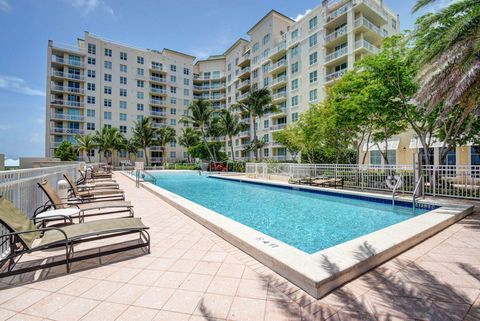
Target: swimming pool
(308, 221)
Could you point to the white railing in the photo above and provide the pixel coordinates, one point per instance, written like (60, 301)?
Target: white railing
(336, 54)
(67, 89)
(279, 95)
(244, 70)
(335, 75)
(375, 7)
(278, 127)
(335, 34)
(157, 102)
(67, 117)
(335, 14)
(367, 45)
(66, 103)
(62, 74)
(438, 180)
(67, 131)
(278, 64)
(158, 79)
(64, 61)
(158, 90)
(362, 21)
(281, 46)
(280, 79)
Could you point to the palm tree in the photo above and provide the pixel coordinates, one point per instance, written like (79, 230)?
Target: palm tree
(188, 139)
(230, 126)
(85, 144)
(200, 115)
(166, 135)
(131, 147)
(447, 45)
(259, 103)
(144, 135)
(108, 140)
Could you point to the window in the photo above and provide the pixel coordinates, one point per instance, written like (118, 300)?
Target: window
(107, 103)
(266, 152)
(107, 125)
(123, 68)
(173, 90)
(123, 104)
(313, 76)
(295, 51)
(140, 60)
(450, 158)
(122, 153)
(313, 96)
(90, 126)
(173, 100)
(173, 111)
(107, 90)
(90, 112)
(91, 61)
(123, 92)
(140, 154)
(139, 118)
(90, 73)
(140, 71)
(266, 68)
(108, 52)
(92, 49)
(90, 86)
(140, 84)
(140, 95)
(294, 84)
(266, 39)
(186, 102)
(312, 40)
(173, 144)
(186, 81)
(255, 73)
(475, 155)
(173, 68)
(107, 64)
(294, 67)
(186, 71)
(123, 55)
(266, 81)
(186, 92)
(91, 153)
(256, 60)
(375, 157)
(431, 152)
(229, 67)
(173, 122)
(266, 53)
(140, 107)
(312, 24)
(123, 117)
(394, 24)
(266, 123)
(294, 34)
(392, 157)
(123, 80)
(173, 155)
(294, 101)
(294, 117)
(90, 99)
(107, 77)
(255, 48)
(173, 78)
(313, 58)
(107, 115)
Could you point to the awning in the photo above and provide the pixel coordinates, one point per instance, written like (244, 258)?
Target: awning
(392, 144)
(416, 143)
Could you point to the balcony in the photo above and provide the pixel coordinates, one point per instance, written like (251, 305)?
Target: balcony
(278, 51)
(244, 73)
(220, 86)
(161, 80)
(335, 75)
(158, 114)
(278, 127)
(158, 90)
(201, 88)
(335, 35)
(278, 157)
(244, 60)
(279, 96)
(366, 46)
(243, 97)
(157, 159)
(218, 97)
(72, 90)
(245, 120)
(67, 103)
(245, 133)
(337, 13)
(373, 10)
(58, 116)
(157, 102)
(68, 62)
(336, 55)
(244, 85)
(370, 28)
(157, 68)
(278, 82)
(61, 74)
(66, 131)
(158, 125)
(157, 148)
(279, 66)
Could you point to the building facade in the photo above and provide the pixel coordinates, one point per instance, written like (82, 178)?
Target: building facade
(104, 83)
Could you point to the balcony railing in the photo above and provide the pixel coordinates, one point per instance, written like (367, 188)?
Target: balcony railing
(279, 95)
(157, 148)
(367, 45)
(157, 159)
(335, 75)
(336, 34)
(278, 64)
(278, 127)
(67, 89)
(62, 74)
(217, 97)
(158, 125)
(244, 83)
(158, 113)
(67, 131)
(158, 79)
(337, 13)
(242, 97)
(373, 5)
(245, 120)
(336, 54)
(158, 90)
(278, 80)
(67, 117)
(245, 57)
(157, 102)
(70, 62)
(362, 21)
(154, 67)
(280, 47)
(245, 133)
(66, 103)
(244, 70)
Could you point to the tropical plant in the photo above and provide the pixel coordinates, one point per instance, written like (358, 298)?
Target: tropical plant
(189, 138)
(200, 151)
(84, 144)
(258, 104)
(200, 116)
(130, 146)
(230, 126)
(144, 136)
(166, 135)
(66, 152)
(108, 140)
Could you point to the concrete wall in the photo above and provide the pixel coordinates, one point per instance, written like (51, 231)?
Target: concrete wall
(2, 162)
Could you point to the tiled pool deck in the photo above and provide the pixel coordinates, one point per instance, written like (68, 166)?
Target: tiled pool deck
(192, 274)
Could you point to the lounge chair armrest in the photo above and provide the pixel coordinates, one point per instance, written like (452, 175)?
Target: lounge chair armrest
(42, 208)
(44, 229)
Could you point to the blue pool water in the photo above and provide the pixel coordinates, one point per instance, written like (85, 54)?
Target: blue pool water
(308, 221)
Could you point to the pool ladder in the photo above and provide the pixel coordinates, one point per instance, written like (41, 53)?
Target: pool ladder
(397, 184)
(417, 186)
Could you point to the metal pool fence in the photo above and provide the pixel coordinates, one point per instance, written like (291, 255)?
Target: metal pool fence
(459, 181)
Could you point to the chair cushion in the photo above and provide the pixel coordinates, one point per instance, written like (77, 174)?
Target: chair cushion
(16, 221)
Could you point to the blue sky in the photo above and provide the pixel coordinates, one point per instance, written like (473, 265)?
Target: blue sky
(202, 27)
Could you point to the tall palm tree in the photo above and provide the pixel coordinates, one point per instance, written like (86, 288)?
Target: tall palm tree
(259, 103)
(144, 135)
(447, 46)
(230, 126)
(200, 115)
(189, 138)
(85, 144)
(108, 140)
(131, 147)
(166, 135)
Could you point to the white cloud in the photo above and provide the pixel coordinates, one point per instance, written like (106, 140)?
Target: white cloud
(18, 85)
(300, 16)
(88, 6)
(5, 6)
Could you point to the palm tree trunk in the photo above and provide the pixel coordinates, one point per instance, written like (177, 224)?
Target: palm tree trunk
(145, 156)
(255, 145)
(231, 148)
(206, 144)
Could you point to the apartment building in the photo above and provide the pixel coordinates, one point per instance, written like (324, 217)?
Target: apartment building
(104, 83)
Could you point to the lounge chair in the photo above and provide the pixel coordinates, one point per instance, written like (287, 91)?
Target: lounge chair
(24, 237)
(100, 194)
(86, 180)
(85, 208)
(327, 182)
(92, 186)
(300, 180)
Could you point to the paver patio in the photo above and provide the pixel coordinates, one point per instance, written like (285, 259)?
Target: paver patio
(192, 274)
